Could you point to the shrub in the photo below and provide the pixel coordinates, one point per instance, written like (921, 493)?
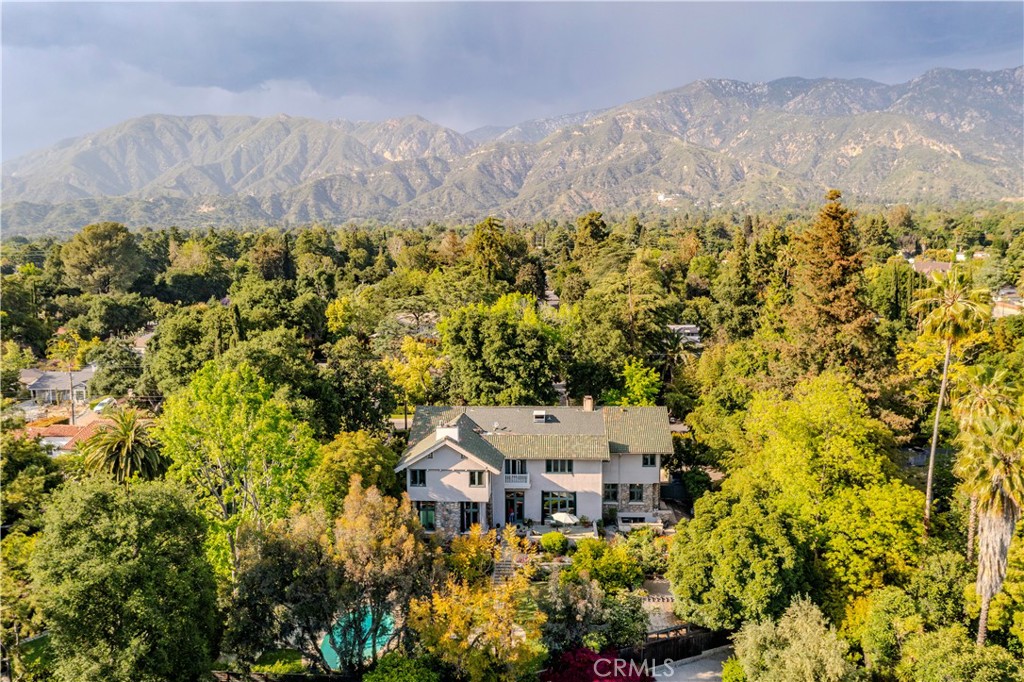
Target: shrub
(610, 565)
(554, 542)
(649, 549)
(732, 671)
(395, 667)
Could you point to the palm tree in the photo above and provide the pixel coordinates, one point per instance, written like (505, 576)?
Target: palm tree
(993, 470)
(124, 448)
(955, 309)
(983, 393)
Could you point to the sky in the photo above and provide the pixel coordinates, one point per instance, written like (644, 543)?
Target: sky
(73, 68)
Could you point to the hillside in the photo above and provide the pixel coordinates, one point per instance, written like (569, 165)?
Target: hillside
(945, 136)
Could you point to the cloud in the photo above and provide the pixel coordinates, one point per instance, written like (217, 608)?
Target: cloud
(72, 68)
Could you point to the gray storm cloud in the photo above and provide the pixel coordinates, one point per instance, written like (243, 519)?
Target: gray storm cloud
(69, 69)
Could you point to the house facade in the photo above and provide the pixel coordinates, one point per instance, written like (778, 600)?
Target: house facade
(500, 465)
(49, 387)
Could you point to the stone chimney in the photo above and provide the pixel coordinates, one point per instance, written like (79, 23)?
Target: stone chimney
(588, 403)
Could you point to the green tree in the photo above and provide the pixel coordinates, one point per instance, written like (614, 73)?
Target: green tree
(953, 310)
(124, 448)
(946, 655)
(356, 392)
(641, 385)
(103, 257)
(351, 453)
(983, 393)
(734, 292)
(118, 368)
(891, 618)
(238, 449)
(611, 565)
(736, 561)
(827, 325)
(992, 465)
(501, 354)
(800, 647)
(572, 610)
(13, 359)
(29, 474)
(124, 585)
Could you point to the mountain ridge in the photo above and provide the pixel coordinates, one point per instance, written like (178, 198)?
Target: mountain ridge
(946, 135)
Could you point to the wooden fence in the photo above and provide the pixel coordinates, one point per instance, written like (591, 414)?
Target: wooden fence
(675, 647)
(225, 676)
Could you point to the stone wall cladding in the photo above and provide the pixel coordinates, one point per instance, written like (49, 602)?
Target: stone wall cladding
(447, 518)
(650, 503)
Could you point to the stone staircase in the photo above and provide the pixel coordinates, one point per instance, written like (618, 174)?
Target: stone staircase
(503, 570)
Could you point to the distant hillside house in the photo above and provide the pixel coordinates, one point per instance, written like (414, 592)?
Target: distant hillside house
(48, 387)
(501, 465)
(1007, 302)
(927, 267)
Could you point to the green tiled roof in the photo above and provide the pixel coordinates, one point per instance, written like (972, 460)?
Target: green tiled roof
(495, 433)
(550, 447)
(637, 430)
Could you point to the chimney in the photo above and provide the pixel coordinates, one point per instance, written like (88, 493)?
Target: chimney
(588, 403)
(447, 431)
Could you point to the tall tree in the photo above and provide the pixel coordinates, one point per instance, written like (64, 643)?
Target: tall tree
(124, 448)
(351, 454)
(993, 470)
(953, 310)
(501, 354)
(356, 391)
(734, 291)
(126, 589)
(103, 257)
(827, 324)
(238, 448)
(983, 393)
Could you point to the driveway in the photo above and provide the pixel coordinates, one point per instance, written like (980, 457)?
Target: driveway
(704, 668)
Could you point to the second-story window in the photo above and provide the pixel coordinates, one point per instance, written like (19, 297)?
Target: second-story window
(417, 478)
(650, 460)
(558, 466)
(476, 479)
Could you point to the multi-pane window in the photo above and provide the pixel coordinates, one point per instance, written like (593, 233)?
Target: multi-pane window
(515, 466)
(476, 479)
(611, 492)
(636, 492)
(650, 460)
(558, 466)
(557, 501)
(469, 513)
(426, 511)
(417, 478)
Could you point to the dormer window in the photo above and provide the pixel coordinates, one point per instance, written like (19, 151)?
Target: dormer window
(539, 416)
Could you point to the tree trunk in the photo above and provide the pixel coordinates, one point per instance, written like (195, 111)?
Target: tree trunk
(71, 394)
(935, 440)
(983, 621)
(972, 525)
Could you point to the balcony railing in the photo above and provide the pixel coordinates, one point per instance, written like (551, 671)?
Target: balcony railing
(517, 480)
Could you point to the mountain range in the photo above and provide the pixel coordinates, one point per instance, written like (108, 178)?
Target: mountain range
(946, 136)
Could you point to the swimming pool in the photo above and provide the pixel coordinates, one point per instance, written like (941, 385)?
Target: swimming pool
(343, 629)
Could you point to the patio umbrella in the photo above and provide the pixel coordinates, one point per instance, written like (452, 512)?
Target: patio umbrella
(564, 518)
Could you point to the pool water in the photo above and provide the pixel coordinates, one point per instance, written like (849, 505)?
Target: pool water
(331, 656)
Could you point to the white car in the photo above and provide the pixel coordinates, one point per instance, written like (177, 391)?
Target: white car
(104, 404)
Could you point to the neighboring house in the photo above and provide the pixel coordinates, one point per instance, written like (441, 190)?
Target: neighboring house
(49, 387)
(688, 332)
(64, 438)
(500, 465)
(1007, 302)
(927, 267)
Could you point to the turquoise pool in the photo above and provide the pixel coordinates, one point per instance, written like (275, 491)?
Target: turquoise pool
(331, 656)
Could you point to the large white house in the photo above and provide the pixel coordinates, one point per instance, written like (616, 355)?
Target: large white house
(499, 465)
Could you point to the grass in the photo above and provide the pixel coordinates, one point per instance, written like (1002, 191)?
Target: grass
(36, 659)
(280, 661)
